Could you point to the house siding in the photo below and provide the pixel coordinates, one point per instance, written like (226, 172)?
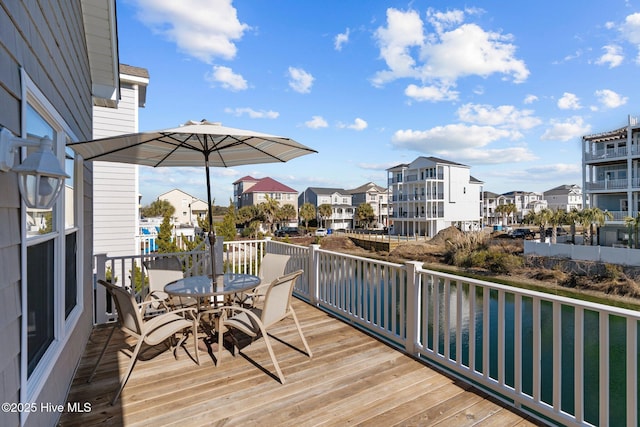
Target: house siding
(45, 39)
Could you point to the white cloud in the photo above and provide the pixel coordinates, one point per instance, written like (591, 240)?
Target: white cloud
(447, 138)
(453, 51)
(630, 29)
(358, 124)
(262, 114)
(610, 99)
(530, 99)
(300, 80)
(489, 156)
(506, 116)
(226, 78)
(341, 39)
(572, 128)
(316, 122)
(569, 101)
(376, 166)
(612, 56)
(430, 93)
(204, 29)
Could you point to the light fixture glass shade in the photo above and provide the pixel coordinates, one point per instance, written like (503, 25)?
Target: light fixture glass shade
(40, 177)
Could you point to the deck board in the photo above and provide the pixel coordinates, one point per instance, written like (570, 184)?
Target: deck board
(352, 379)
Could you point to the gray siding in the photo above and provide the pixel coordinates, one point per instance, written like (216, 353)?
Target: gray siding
(46, 39)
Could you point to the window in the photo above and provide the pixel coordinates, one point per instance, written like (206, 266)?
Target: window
(51, 251)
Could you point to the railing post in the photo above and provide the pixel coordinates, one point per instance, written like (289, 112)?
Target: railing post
(413, 305)
(313, 274)
(99, 297)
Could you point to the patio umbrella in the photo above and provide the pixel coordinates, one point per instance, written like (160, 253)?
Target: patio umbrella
(200, 143)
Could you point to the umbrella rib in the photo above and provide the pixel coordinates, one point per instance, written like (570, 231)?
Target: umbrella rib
(237, 141)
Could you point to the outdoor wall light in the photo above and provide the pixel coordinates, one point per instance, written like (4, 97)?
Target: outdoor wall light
(40, 176)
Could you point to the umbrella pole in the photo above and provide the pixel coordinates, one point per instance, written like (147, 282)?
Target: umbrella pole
(211, 234)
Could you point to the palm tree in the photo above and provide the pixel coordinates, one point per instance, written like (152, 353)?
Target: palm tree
(505, 211)
(307, 213)
(572, 217)
(634, 225)
(286, 213)
(556, 219)
(325, 211)
(365, 214)
(599, 219)
(540, 219)
(269, 209)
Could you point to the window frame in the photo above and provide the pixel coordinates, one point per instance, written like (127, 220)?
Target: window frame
(63, 325)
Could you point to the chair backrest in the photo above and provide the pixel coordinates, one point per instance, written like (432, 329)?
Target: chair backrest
(129, 316)
(278, 298)
(272, 266)
(161, 271)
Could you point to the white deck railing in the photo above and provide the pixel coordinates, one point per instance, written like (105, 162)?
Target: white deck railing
(563, 360)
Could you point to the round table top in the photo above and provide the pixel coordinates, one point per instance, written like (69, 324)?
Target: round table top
(204, 286)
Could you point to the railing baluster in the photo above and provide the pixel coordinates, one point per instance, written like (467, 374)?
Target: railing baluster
(446, 325)
(578, 360)
(557, 352)
(632, 372)
(604, 368)
(501, 337)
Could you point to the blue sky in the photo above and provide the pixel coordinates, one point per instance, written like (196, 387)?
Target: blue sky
(507, 88)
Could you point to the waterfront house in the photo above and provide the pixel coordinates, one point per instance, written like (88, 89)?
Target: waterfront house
(611, 177)
(376, 196)
(340, 200)
(431, 194)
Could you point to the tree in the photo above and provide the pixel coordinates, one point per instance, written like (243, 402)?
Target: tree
(505, 211)
(249, 217)
(286, 213)
(307, 213)
(556, 218)
(158, 208)
(325, 211)
(540, 219)
(227, 228)
(599, 218)
(572, 218)
(164, 240)
(269, 209)
(365, 214)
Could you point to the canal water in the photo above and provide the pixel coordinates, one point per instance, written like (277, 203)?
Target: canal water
(617, 344)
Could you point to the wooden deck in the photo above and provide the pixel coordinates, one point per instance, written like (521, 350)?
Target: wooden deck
(352, 379)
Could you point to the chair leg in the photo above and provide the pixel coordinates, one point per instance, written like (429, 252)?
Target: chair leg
(272, 354)
(104, 349)
(125, 378)
(304, 341)
(195, 340)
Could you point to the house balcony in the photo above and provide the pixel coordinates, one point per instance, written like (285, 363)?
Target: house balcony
(382, 335)
(613, 185)
(606, 155)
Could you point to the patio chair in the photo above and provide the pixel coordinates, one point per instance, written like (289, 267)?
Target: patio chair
(272, 266)
(256, 322)
(152, 332)
(161, 271)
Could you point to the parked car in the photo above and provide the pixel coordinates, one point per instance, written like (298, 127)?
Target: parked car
(559, 231)
(287, 231)
(321, 232)
(522, 233)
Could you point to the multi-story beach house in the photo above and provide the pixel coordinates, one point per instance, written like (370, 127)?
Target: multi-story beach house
(431, 194)
(59, 60)
(564, 197)
(340, 200)
(188, 208)
(376, 196)
(525, 202)
(490, 201)
(611, 177)
(249, 191)
(116, 210)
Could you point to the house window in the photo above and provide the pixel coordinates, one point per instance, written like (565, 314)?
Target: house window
(51, 251)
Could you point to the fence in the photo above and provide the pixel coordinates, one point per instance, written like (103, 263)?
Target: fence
(623, 256)
(562, 360)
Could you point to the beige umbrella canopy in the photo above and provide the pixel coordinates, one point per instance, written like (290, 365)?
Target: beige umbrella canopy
(200, 143)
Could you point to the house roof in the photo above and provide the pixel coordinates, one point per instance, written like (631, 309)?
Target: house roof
(180, 191)
(490, 195)
(606, 136)
(268, 185)
(430, 158)
(369, 186)
(139, 76)
(101, 34)
(328, 190)
(474, 179)
(245, 178)
(563, 189)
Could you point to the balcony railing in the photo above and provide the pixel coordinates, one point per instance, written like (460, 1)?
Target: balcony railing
(607, 154)
(562, 360)
(611, 184)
